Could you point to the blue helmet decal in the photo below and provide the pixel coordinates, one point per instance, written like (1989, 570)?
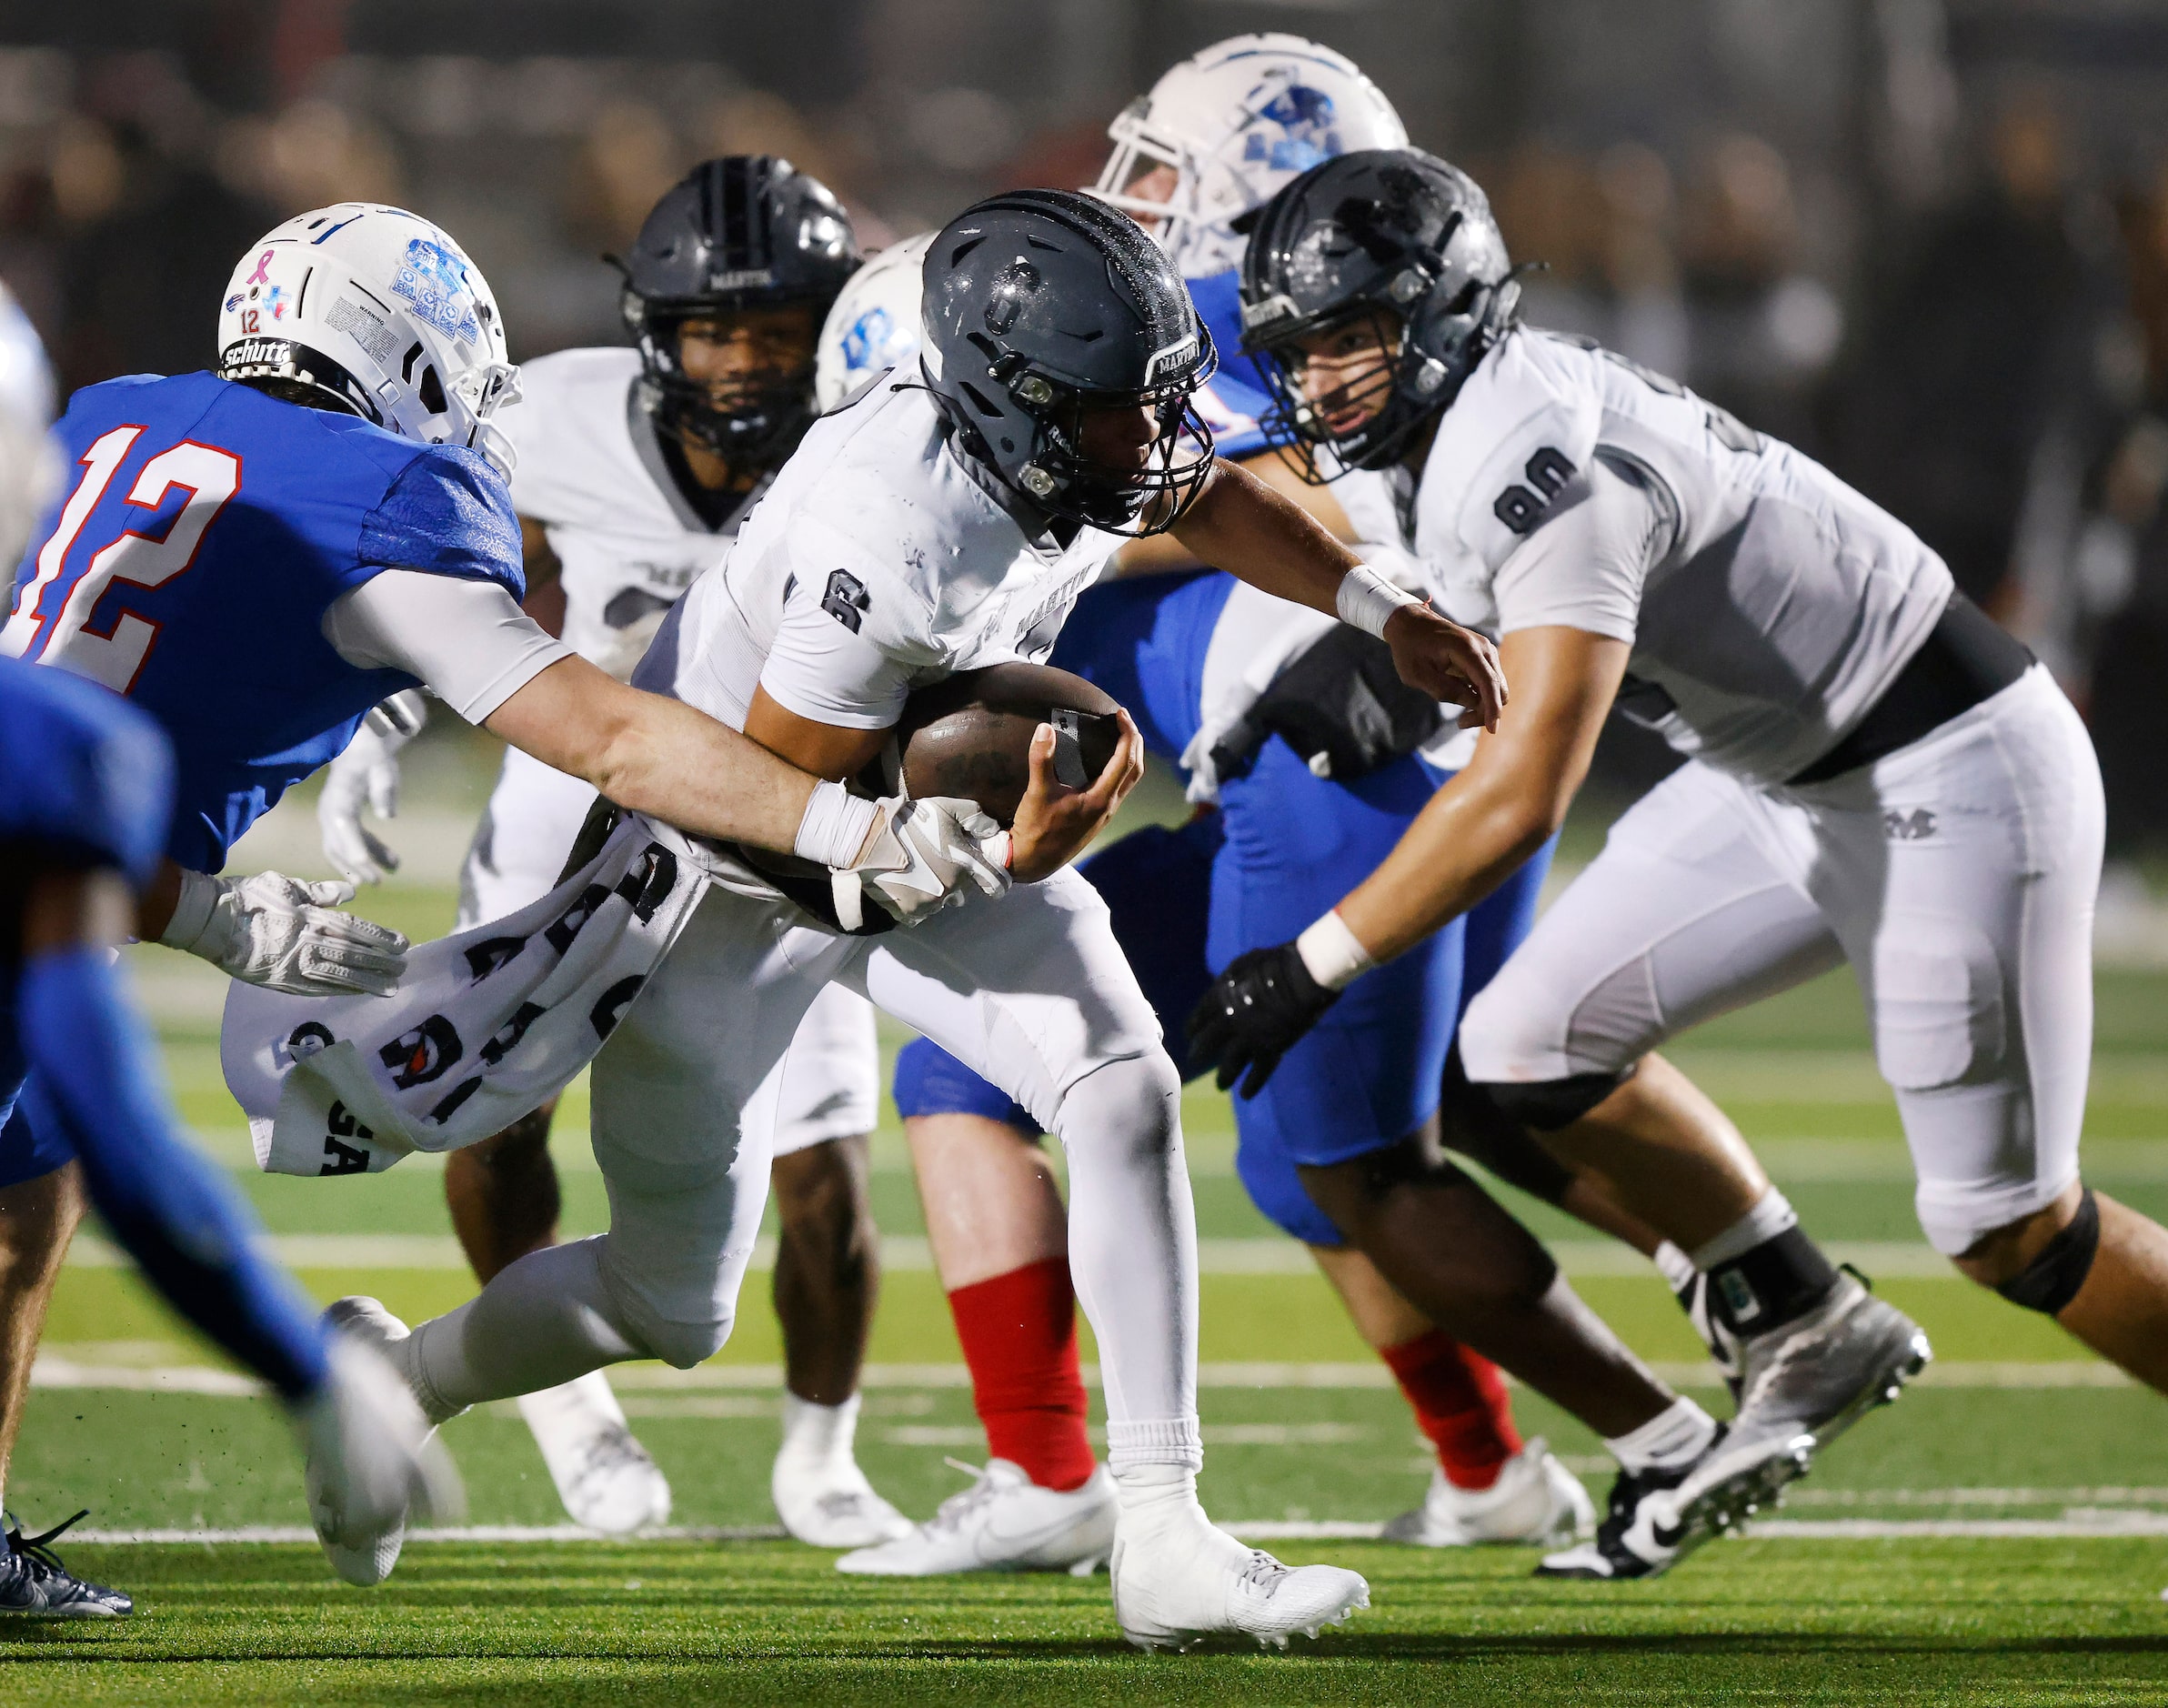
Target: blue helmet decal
(433, 280)
(1305, 116)
(866, 345)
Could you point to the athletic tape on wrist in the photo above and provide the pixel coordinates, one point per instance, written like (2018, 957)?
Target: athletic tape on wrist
(192, 910)
(1367, 599)
(1333, 954)
(835, 826)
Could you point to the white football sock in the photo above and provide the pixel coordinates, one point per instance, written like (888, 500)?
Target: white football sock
(1155, 1495)
(539, 1324)
(1674, 1437)
(817, 1432)
(1771, 1214)
(1132, 1250)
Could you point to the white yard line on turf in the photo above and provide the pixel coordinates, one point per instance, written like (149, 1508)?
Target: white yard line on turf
(57, 1371)
(1881, 1258)
(2102, 1526)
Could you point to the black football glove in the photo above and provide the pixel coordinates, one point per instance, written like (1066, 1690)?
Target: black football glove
(1256, 1011)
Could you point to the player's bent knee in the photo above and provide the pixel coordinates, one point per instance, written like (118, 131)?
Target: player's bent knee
(1475, 1122)
(1547, 1105)
(2056, 1274)
(1134, 1101)
(682, 1345)
(1512, 1053)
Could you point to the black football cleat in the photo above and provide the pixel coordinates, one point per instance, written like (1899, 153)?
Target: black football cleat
(34, 1584)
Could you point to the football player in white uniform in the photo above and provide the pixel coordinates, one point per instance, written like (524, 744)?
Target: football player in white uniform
(1217, 136)
(1876, 775)
(635, 468)
(935, 526)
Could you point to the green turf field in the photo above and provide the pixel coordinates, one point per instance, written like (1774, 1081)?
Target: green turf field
(2002, 1535)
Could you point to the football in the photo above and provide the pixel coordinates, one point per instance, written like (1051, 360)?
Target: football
(971, 735)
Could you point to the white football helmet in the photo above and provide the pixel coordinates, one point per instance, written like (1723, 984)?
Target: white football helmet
(1236, 121)
(376, 311)
(874, 324)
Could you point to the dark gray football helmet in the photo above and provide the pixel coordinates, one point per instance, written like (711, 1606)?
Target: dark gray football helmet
(739, 232)
(1042, 305)
(1399, 238)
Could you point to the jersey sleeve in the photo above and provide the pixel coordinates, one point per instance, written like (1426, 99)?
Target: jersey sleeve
(447, 513)
(1512, 454)
(1585, 565)
(465, 639)
(828, 663)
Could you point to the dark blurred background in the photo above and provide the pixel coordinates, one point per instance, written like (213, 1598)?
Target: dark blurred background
(1927, 240)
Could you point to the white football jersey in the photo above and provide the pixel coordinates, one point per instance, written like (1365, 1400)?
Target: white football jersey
(592, 473)
(1771, 605)
(879, 560)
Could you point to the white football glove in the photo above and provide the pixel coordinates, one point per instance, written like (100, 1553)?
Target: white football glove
(923, 856)
(368, 772)
(285, 935)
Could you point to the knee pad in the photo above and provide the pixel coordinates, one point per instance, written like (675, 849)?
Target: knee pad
(682, 1345)
(1547, 1105)
(2053, 1278)
(1133, 1096)
(634, 1309)
(1472, 1122)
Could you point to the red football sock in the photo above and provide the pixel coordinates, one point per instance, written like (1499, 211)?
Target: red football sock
(1019, 1336)
(1460, 1404)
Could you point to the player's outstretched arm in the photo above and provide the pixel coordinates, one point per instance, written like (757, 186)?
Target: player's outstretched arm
(1241, 525)
(1476, 832)
(176, 1215)
(1471, 836)
(1164, 554)
(658, 756)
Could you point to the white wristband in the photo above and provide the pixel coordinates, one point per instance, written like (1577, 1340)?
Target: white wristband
(1366, 599)
(192, 910)
(1334, 955)
(835, 826)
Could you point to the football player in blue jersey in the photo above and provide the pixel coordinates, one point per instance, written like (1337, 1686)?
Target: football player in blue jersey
(257, 556)
(86, 793)
(1317, 760)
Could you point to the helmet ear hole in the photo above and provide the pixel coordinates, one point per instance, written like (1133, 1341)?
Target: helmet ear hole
(431, 391)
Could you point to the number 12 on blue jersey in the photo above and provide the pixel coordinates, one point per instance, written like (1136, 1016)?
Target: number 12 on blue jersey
(93, 549)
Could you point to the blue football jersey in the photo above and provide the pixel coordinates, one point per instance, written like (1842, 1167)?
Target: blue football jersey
(205, 530)
(85, 780)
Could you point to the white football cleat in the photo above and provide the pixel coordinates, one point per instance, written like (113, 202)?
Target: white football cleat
(1003, 1522)
(1535, 1499)
(1179, 1579)
(372, 1456)
(605, 1477)
(820, 1494)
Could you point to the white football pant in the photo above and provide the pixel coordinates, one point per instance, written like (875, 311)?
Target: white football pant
(1957, 875)
(830, 1078)
(1028, 990)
